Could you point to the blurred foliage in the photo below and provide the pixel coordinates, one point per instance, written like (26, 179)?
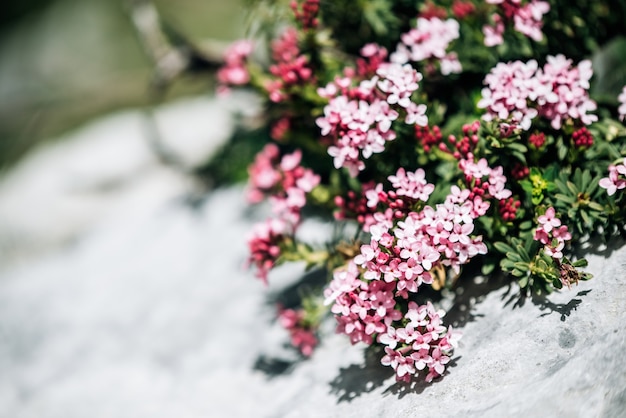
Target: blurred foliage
(230, 163)
(63, 62)
(609, 67)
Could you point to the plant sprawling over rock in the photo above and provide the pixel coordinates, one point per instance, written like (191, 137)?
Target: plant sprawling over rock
(451, 135)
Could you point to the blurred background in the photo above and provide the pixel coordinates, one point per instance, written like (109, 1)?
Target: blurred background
(63, 62)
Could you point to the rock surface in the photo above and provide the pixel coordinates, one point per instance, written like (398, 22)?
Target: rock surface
(110, 166)
(149, 313)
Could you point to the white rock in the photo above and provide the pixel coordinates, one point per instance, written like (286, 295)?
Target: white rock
(65, 186)
(151, 314)
(192, 130)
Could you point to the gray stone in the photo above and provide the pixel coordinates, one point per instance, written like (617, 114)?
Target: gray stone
(63, 187)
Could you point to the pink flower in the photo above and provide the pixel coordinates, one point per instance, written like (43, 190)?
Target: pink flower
(528, 19)
(359, 120)
(429, 40)
(552, 234)
(284, 181)
(264, 246)
(399, 82)
(549, 220)
(613, 182)
(302, 338)
(412, 185)
(509, 89)
(290, 67)
(565, 96)
(234, 72)
(521, 91)
(493, 34)
(437, 364)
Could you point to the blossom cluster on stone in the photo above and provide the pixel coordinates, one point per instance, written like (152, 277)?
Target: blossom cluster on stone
(413, 341)
(405, 247)
(264, 245)
(290, 68)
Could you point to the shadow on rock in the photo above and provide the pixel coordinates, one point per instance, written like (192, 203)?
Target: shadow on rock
(598, 245)
(273, 367)
(548, 307)
(358, 379)
(291, 296)
(417, 386)
(565, 309)
(470, 294)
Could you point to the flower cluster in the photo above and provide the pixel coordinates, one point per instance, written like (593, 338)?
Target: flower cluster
(483, 183)
(521, 91)
(283, 180)
(290, 67)
(527, 19)
(302, 337)
(427, 177)
(366, 310)
(613, 182)
(421, 341)
(234, 72)
(359, 120)
(357, 207)
(429, 42)
(306, 13)
(582, 138)
(552, 234)
(264, 245)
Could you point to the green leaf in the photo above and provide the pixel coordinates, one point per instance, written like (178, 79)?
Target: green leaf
(565, 198)
(519, 156)
(488, 268)
(517, 146)
(507, 265)
(586, 180)
(572, 188)
(562, 151)
(523, 252)
(522, 266)
(596, 206)
(586, 218)
(519, 273)
(523, 282)
(503, 247)
(526, 225)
